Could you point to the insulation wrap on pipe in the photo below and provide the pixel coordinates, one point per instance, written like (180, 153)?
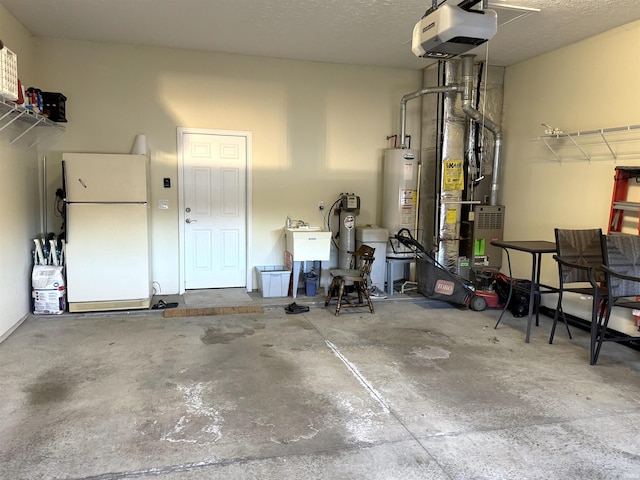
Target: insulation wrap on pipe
(467, 76)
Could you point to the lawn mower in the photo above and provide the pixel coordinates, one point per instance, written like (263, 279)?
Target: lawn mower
(435, 281)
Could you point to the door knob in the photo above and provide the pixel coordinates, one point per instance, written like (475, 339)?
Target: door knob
(189, 220)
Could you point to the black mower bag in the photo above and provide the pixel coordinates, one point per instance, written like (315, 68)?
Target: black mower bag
(435, 281)
(439, 284)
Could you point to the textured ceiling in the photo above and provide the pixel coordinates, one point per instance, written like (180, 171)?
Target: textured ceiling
(364, 32)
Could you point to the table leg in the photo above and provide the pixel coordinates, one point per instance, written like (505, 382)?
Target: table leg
(538, 293)
(506, 303)
(534, 261)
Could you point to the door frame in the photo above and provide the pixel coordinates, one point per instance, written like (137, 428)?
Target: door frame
(181, 216)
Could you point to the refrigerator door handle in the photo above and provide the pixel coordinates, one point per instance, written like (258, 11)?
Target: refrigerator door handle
(66, 220)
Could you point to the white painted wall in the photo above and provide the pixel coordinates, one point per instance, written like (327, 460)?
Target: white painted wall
(19, 193)
(318, 129)
(588, 85)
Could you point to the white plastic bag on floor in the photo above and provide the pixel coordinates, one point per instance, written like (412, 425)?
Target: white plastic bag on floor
(48, 290)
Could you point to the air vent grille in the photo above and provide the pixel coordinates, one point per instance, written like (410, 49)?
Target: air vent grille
(489, 220)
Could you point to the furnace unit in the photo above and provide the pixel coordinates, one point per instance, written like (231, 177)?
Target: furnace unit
(488, 225)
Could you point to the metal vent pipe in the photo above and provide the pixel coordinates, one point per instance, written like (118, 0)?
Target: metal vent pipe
(467, 94)
(466, 88)
(416, 94)
(476, 116)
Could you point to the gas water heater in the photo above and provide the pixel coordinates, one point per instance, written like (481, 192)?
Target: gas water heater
(348, 209)
(400, 197)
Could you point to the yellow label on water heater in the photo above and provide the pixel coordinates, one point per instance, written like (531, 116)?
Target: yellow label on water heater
(453, 175)
(408, 197)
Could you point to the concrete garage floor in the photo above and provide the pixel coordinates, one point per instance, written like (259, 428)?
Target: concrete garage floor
(419, 390)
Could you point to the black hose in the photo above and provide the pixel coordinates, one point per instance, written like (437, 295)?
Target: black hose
(477, 153)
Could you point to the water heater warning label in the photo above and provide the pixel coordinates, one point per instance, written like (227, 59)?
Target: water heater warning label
(453, 175)
(408, 197)
(408, 216)
(408, 171)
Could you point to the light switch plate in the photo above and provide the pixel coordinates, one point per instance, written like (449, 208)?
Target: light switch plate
(163, 204)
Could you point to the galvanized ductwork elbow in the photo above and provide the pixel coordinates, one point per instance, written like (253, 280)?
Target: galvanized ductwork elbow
(476, 116)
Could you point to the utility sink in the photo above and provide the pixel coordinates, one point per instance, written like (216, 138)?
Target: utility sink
(305, 229)
(308, 243)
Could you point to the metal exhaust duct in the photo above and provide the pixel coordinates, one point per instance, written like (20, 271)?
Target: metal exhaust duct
(451, 177)
(467, 94)
(459, 122)
(416, 94)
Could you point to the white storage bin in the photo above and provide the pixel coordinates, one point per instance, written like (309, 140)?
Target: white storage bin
(273, 280)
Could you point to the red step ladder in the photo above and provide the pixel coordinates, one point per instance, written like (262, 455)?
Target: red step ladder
(620, 206)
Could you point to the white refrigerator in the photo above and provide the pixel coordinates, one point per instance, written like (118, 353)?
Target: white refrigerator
(107, 231)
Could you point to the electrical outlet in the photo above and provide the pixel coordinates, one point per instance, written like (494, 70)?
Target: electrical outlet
(320, 205)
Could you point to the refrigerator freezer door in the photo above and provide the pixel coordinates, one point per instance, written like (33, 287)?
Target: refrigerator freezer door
(92, 177)
(107, 256)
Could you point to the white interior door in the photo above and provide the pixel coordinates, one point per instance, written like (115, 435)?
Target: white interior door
(214, 182)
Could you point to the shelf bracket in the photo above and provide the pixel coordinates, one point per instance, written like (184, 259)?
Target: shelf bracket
(26, 131)
(604, 139)
(12, 120)
(552, 150)
(579, 147)
(9, 112)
